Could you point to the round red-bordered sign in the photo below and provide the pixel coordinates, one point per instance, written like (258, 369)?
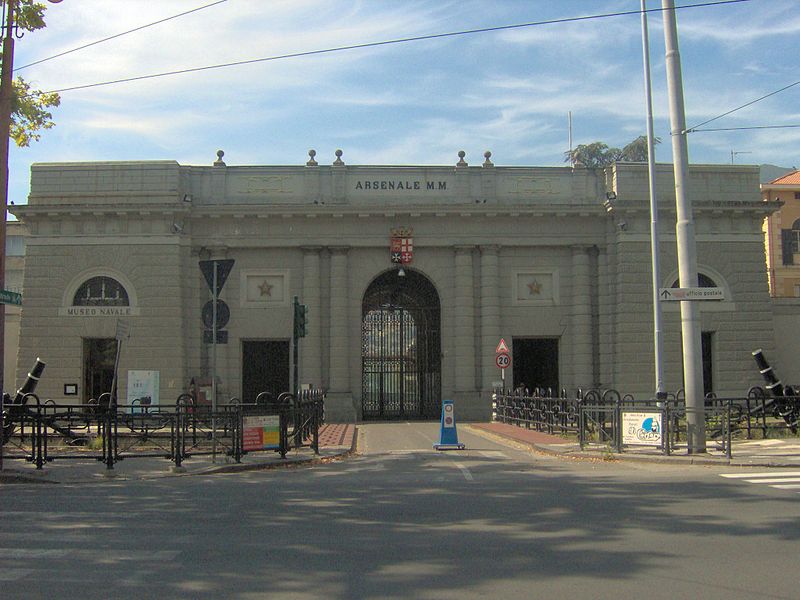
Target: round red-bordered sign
(502, 360)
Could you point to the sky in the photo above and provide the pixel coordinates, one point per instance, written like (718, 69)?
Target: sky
(414, 103)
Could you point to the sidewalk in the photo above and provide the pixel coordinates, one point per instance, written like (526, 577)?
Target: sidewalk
(751, 453)
(335, 441)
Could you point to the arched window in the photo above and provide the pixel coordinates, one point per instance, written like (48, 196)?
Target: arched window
(796, 236)
(101, 291)
(703, 280)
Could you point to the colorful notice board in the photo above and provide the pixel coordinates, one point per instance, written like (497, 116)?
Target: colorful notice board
(261, 433)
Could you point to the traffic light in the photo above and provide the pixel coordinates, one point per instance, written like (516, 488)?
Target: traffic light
(300, 311)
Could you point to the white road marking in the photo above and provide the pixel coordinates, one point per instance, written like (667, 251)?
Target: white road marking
(774, 480)
(781, 480)
(751, 475)
(493, 454)
(465, 472)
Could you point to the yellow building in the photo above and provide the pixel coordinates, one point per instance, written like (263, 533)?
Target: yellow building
(782, 236)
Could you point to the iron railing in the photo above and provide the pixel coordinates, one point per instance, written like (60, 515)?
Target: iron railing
(42, 431)
(603, 419)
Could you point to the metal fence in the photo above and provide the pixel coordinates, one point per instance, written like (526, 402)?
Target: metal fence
(42, 431)
(611, 421)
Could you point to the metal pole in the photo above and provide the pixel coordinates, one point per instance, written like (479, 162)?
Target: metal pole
(214, 341)
(295, 349)
(2, 429)
(214, 365)
(658, 346)
(687, 257)
(569, 126)
(6, 97)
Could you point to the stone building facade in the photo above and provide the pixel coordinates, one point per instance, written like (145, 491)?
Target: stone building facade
(536, 256)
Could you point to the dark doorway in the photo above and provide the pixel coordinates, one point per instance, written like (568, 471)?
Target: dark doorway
(99, 356)
(535, 363)
(707, 345)
(265, 368)
(401, 348)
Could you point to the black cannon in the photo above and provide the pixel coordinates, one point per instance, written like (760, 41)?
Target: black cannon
(13, 409)
(785, 402)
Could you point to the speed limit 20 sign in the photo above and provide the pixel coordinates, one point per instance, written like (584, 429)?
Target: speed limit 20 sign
(503, 360)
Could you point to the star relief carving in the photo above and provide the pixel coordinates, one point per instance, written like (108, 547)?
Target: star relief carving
(534, 288)
(266, 289)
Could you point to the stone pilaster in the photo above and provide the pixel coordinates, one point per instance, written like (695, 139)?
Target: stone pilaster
(490, 315)
(339, 344)
(581, 318)
(311, 345)
(464, 337)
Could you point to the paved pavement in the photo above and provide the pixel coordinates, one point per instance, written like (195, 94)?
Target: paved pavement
(784, 452)
(339, 440)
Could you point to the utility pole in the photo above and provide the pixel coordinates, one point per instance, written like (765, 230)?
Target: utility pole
(6, 95)
(687, 252)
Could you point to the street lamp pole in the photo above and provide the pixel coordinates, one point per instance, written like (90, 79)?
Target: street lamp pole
(684, 229)
(6, 98)
(6, 108)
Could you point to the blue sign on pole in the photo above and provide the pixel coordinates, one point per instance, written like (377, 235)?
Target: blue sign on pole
(448, 434)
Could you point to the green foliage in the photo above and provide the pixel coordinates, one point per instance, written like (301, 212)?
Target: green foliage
(30, 15)
(29, 108)
(598, 155)
(29, 114)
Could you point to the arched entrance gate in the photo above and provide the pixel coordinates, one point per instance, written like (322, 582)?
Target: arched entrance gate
(401, 348)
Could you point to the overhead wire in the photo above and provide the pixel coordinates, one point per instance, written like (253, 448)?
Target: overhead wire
(118, 35)
(384, 43)
(745, 105)
(750, 128)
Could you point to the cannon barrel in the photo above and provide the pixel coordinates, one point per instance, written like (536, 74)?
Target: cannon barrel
(785, 404)
(31, 382)
(774, 384)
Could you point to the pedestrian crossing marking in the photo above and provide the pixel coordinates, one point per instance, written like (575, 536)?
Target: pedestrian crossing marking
(781, 480)
(750, 475)
(774, 480)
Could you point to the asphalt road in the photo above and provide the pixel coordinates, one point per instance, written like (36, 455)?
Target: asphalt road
(404, 521)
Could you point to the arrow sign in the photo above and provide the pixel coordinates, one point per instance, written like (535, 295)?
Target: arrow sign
(691, 294)
(502, 348)
(223, 270)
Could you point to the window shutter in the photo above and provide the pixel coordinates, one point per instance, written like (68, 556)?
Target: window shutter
(786, 246)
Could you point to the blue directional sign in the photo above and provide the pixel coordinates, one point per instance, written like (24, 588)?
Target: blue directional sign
(7, 297)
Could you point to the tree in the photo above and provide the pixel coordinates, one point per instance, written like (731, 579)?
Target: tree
(30, 112)
(636, 151)
(598, 154)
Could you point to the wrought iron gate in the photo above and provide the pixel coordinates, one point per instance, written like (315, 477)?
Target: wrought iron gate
(401, 349)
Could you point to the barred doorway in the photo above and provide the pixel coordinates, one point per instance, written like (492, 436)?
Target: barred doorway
(401, 348)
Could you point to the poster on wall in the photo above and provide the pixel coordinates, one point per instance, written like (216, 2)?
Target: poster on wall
(143, 388)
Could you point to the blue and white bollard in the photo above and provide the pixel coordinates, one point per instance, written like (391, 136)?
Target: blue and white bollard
(448, 435)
